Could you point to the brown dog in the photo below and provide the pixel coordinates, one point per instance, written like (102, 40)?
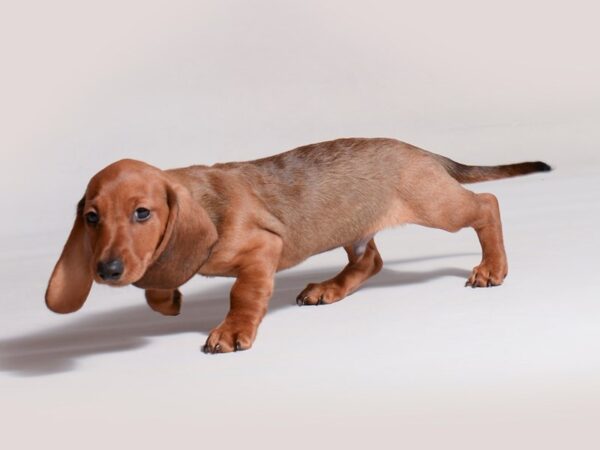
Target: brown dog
(155, 229)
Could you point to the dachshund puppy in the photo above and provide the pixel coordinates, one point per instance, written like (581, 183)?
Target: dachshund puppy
(155, 229)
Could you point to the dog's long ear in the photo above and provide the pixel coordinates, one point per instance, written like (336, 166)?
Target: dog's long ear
(72, 277)
(185, 245)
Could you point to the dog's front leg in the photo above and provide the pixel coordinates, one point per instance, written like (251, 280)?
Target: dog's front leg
(249, 298)
(164, 301)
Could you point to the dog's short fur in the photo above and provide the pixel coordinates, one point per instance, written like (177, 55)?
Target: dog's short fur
(251, 219)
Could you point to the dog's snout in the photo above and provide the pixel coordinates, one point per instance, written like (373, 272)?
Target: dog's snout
(110, 270)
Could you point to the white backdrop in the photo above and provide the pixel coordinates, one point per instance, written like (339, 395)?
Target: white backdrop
(181, 82)
(178, 83)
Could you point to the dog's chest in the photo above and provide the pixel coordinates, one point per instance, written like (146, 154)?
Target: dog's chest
(223, 262)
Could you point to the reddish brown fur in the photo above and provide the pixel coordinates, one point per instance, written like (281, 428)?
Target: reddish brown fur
(251, 219)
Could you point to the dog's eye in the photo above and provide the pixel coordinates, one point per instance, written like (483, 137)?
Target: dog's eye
(141, 214)
(92, 218)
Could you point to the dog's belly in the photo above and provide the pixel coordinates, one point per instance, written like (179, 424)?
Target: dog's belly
(356, 229)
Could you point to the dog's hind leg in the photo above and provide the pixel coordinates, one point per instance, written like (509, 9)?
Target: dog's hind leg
(493, 267)
(364, 262)
(447, 205)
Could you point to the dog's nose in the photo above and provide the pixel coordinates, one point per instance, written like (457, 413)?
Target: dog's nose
(111, 270)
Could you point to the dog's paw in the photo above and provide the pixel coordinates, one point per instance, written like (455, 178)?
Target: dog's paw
(166, 302)
(487, 275)
(320, 294)
(230, 337)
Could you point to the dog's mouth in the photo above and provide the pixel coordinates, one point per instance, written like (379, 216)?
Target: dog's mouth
(112, 282)
(123, 277)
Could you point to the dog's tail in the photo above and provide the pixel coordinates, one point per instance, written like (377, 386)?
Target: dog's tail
(472, 174)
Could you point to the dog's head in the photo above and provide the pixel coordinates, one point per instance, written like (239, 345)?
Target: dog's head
(135, 225)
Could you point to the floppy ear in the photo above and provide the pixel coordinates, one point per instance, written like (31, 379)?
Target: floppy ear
(72, 277)
(186, 243)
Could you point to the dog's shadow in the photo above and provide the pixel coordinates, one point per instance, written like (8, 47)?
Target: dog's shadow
(59, 349)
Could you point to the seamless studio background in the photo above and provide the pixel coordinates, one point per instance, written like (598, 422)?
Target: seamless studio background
(413, 358)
